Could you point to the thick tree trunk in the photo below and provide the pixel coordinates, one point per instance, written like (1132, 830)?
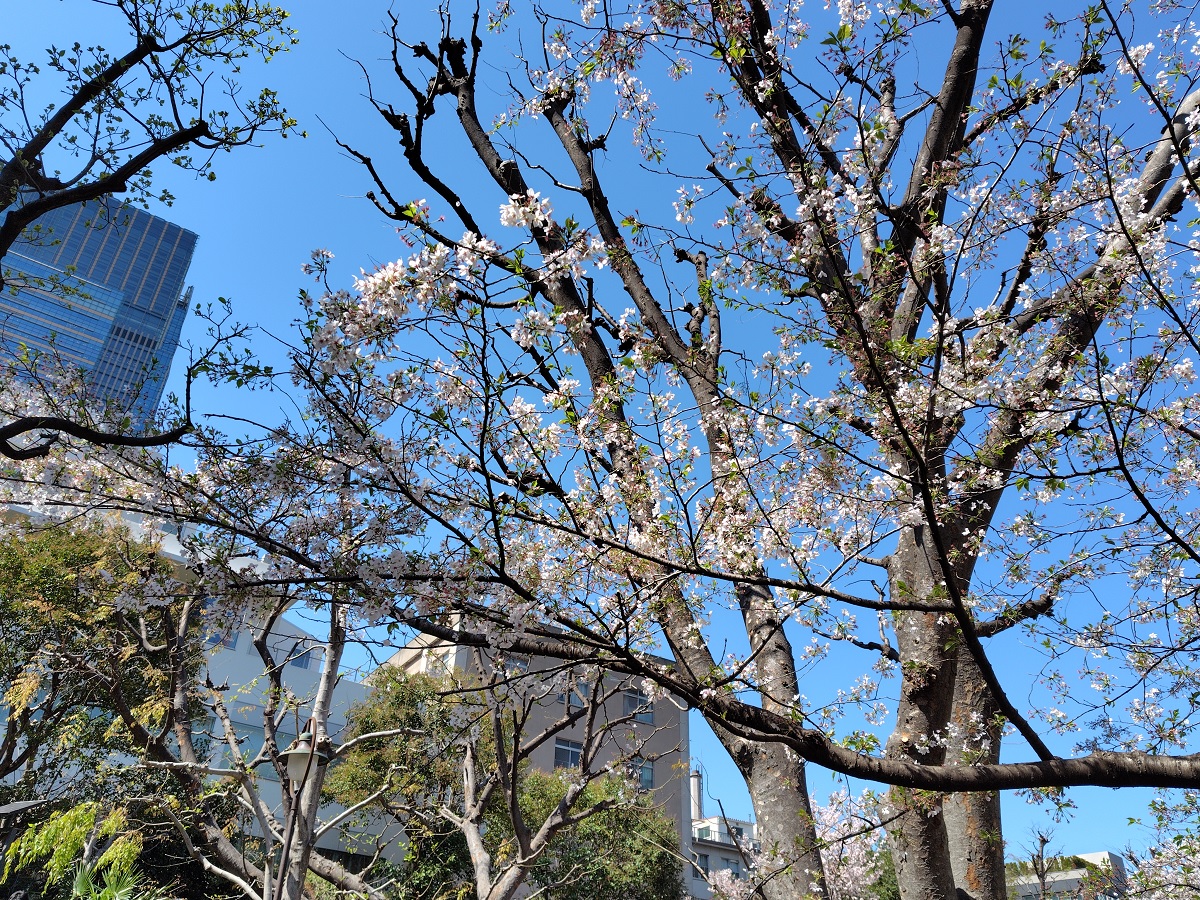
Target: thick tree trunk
(779, 791)
(774, 775)
(973, 820)
(920, 849)
(976, 846)
(918, 839)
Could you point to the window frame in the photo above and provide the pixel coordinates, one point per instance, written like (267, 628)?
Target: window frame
(644, 767)
(573, 751)
(637, 705)
(226, 640)
(302, 660)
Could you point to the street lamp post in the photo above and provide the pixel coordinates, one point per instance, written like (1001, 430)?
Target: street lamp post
(300, 758)
(301, 755)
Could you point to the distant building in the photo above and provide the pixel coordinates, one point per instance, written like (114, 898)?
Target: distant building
(234, 660)
(660, 727)
(101, 286)
(718, 842)
(1085, 876)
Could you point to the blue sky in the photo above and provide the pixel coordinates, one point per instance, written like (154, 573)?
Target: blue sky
(270, 206)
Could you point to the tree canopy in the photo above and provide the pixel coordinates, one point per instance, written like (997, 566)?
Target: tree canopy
(120, 112)
(890, 368)
(68, 620)
(171, 94)
(87, 650)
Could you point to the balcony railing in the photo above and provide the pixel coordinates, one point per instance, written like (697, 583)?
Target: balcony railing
(726, 840)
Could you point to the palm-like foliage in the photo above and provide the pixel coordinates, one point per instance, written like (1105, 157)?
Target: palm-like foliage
(112, 883)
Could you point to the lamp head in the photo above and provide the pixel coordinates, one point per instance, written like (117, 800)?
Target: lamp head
(301, 757)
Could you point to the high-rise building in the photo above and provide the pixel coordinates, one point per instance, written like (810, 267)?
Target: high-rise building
(100, 286)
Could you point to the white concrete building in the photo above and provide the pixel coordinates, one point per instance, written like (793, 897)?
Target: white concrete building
(717, 842)
(233, 660)
(1086, 876)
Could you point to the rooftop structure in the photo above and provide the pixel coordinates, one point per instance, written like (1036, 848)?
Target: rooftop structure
(717, 842)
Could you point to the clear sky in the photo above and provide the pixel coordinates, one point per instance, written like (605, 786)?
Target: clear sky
(270, 206)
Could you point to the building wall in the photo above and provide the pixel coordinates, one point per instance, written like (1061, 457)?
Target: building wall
(105, 292)
(234, 660)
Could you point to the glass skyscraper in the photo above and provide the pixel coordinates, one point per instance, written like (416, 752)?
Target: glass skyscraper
(100, 286)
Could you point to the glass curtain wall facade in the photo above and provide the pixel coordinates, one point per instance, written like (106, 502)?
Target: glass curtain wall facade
(100, 287)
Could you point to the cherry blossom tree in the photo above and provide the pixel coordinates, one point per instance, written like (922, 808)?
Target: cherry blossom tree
(974, 406)
(1170, 865)
(1168, 870)
(890, 368)
(849, 831)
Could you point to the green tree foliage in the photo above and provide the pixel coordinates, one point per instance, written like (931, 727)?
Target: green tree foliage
(628, 851)
(622, 848)
(170, 91)
(885, 886)
(112, 883)
(70, 627)
(437, 863)
(437, 866)
(116, 113)
(89, 848)
(92, 635)
(403, 705)
(114, 842)
(59, 842)
(115, 628)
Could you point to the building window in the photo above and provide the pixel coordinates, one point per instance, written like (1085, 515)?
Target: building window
(701, 865)
(440, 662)
(250, 739)
(645, 774)
(567, 754)
(733, 865)
(639, 706)
(228, 639)
(572, 698)
(302, 660)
